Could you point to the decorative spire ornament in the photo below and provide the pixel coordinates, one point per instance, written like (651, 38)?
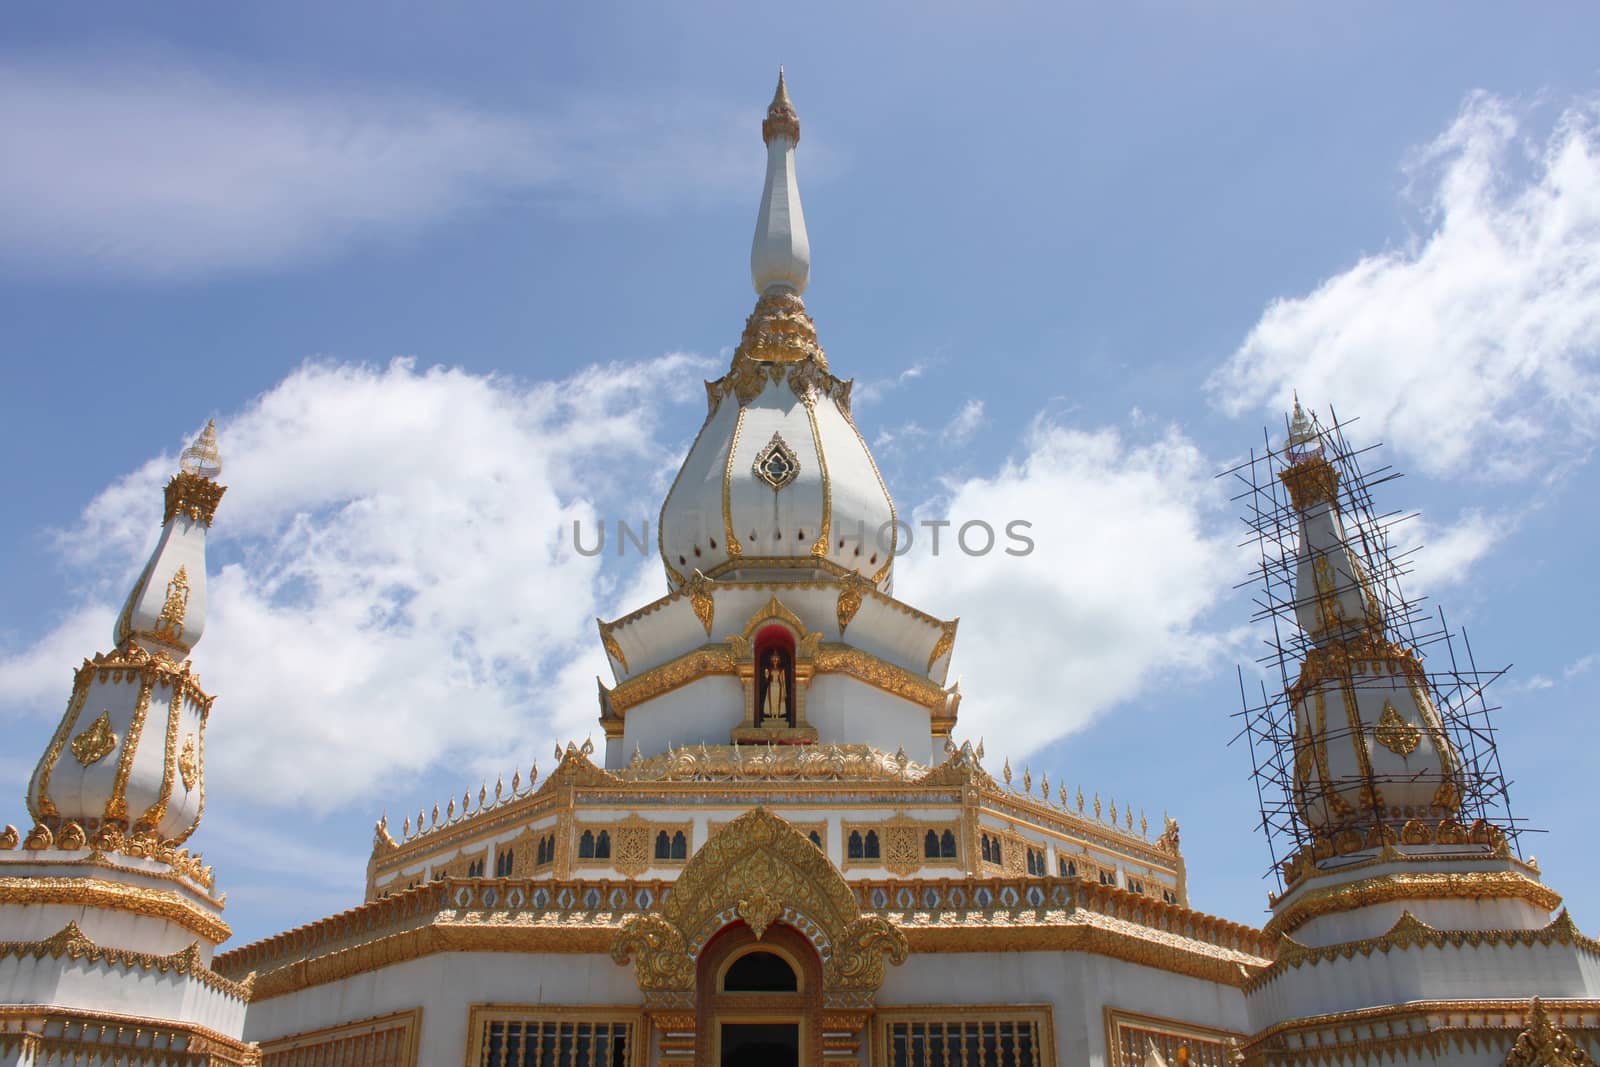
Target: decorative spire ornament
(780, 254)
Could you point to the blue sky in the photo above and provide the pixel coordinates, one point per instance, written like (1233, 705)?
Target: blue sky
(1074, 257)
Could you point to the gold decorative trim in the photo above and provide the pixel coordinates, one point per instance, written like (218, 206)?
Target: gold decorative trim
(169, 766)
(117, 806)
(1543, 1044)
(391, 1040)
(759, 853)
(32, 1029)
(851, 590)
(194, 496)
(1310, 482)
(1410, 932)
(114, 896)
(96, 742)
(39, 803)
(647, 685)
(894, 526)
(72, 943)
(1431, 1029)
(819, 547)
(946, 642)
(1430, 885)
(729, 537)
(863, 666)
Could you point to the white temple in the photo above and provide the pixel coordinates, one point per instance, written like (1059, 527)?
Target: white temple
(783, 855)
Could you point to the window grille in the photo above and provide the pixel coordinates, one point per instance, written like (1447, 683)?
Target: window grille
(553, 1043)
(975, 1043)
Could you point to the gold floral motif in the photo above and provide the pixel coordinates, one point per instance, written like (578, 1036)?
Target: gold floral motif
(169, 624)
(851, 590)
(777, 465)
(759, 910)
(188, 763)
(759, 854)
(71, 942)
(39, 839)
(1394, 733)
(9, 838)
(777, 331)
(698, 587)
(1311, 481)
(1543, 1044)
(96, 742)
(194, 496)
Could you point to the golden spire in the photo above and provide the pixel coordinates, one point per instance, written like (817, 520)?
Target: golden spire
(781, 116)
(1302, 430)
(203, 458)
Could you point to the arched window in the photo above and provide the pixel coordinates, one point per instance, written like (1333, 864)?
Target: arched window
(760, 972)
(1067, 868)
(502, 864)
(947, 845)
(663, 845)
(475, 869)
(602, 846)
(680, 846)
(816, 838)
(872, 844)
(586, 845)
(854, 850)
(930, 845)
(988, 853)
(995, 848)
(541, 854)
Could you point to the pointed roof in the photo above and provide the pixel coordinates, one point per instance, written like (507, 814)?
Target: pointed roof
(781, 117)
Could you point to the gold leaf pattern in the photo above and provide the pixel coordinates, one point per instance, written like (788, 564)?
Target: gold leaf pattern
(96, 742)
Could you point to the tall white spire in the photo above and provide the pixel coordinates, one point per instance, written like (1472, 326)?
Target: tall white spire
(780, 255)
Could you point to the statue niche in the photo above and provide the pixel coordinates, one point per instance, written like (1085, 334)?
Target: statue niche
(775, 673)
(774, 659)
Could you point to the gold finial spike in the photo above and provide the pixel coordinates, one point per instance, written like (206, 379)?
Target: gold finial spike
(450, 810)
(405, 827)
(1027, 780)
(781, 117)
(1144, 825)
(516, 782)
(1006, 771)
(1044, 787)
(1080, 800)
(203, 458)
(436, 815)
(1063, 796)
(483, 795)
(419, 820)
(1097, 807)
(533, 774)
(499, 787)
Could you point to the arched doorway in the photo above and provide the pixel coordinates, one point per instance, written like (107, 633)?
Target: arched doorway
(758, 999)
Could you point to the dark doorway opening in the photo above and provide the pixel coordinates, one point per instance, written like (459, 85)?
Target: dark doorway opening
(760, 1045)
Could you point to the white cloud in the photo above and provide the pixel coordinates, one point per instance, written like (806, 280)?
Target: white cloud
(966, 422)
(1449, 552)
(1125, 562)
(1475, 347)
(159, 170)
(399, 591)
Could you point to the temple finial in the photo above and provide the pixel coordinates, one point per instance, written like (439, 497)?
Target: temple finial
(203, 458)
(781, 117)
(780, 255)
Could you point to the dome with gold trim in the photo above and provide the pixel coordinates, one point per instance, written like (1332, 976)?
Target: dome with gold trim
(779, 478)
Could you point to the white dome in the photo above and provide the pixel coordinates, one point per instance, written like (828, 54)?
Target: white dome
(778, 478)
